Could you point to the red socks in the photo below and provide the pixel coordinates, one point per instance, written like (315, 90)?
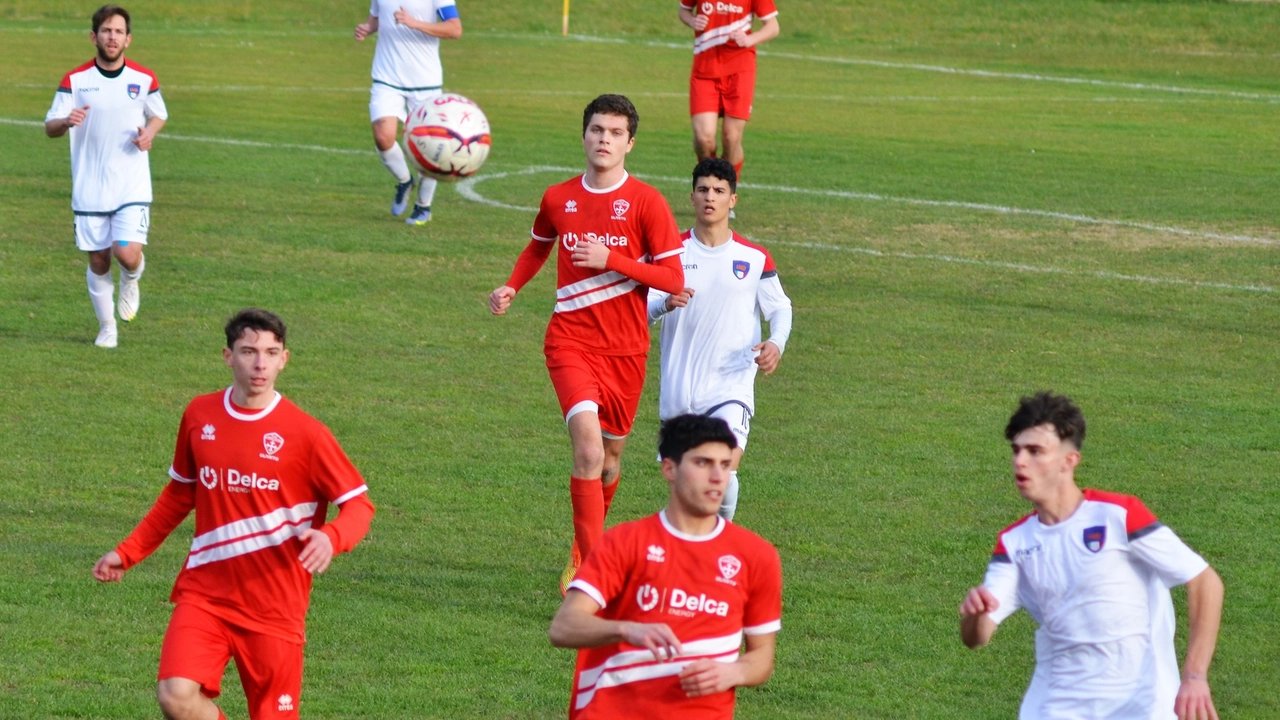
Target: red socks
(588, 513)
(737, 169)
(608, 491)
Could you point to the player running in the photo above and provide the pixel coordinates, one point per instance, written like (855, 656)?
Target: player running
(661, 608)
(406, 73)
(616, 238)
(113, 109)
(711, 346)
(723, 81)
(1094, 570)
(260, 474)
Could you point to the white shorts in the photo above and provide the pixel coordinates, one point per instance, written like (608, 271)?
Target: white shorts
(738, 417)
(386, 101)
(129, 224)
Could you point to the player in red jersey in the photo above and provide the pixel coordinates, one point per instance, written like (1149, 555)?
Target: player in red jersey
(661, 608)
(617, 238)
(723, 81)
(260, 474)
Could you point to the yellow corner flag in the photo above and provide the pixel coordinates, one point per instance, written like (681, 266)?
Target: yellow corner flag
(564, 26)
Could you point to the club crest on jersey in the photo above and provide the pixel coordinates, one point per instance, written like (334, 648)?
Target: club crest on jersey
(729, 566)
(134, 90)
(620, 208)
(647, 597)
(571, 206)
(741, 268)
(206, 432)
(656, 554)
(1095, 537)
(271, 442)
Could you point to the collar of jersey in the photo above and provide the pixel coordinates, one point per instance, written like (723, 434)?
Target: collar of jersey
(625, 177)
(662, 515)
(110, 74)
(705, 248)
(233, 412)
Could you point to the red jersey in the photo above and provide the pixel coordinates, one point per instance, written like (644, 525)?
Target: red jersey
(604, 311)
(257, 480)
(714, 55)
(710, 589)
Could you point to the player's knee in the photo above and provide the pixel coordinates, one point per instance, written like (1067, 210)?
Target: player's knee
(178, 700)
(704, 147)
(588, 460)
(609, 474)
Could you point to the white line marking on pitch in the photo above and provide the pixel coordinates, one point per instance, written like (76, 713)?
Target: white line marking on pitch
(221, 141)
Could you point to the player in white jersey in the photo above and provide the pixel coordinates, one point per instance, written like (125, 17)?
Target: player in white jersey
(1094, 570)
(710, 339)
(113, 109)
(406, 73)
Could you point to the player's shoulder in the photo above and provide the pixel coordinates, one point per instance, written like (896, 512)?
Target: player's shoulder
(749, 542)
(155, 83)
(1139, 520)
(1001, 553)
(641, 189)
(1113, 498)
(750, 245)
(686, 236)
(560, 191)
(66, 79)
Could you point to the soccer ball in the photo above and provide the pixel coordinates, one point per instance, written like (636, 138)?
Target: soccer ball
(447, 137)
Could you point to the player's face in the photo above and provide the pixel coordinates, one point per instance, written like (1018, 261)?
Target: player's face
(255, 361)
(1042, 462)
(712, 200)
(698, 481)
(112, 38)
(607, 141)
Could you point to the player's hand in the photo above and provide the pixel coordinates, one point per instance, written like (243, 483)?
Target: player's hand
(708, 677)
(1194, 701)
(700, 22)
(143, 141)
(77, 116)
(742, 39)
(317, 554)
(659, 638)
(594, 255)
(679, 301)
(109, 568)
(979, 601)
(768, 357)
(404, 18)
(500, 299)
(363, 30)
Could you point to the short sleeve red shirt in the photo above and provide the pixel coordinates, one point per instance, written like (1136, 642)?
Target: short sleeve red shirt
(262, 478)
(714, 54)
(604, 311)
(710, 590)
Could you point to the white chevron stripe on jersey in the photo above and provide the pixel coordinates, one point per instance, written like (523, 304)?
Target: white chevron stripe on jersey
(595, 282)
(248, 545)
(719, 36)
(249, 527)
(636, 665)
(597, 296)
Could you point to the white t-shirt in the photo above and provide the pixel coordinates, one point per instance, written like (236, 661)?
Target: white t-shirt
(706, 346)
(107, 171)
(1098, 585)
(407, 59)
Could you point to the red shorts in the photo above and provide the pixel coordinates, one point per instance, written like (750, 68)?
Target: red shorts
(612, 382)
(728, 96)
(198, 644)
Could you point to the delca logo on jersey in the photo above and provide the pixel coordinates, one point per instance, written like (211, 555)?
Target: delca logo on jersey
(571, 240)
(720, 7)
(679, 602)
(233, 480)
(271, 442)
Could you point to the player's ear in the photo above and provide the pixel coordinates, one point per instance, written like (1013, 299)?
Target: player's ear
(1072, 459)
(669, 469)
(284, 358)
(226, 356)
(733, 200)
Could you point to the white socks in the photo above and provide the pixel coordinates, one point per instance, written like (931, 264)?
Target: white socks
(393, 159)
(426, 190)
(100, 292)
(127, 275)
(729, 503)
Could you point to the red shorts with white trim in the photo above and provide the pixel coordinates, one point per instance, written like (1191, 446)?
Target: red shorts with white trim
(198, 644)
(729, 96)
(612, 383)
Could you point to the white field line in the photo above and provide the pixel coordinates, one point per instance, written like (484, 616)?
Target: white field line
(222, 141)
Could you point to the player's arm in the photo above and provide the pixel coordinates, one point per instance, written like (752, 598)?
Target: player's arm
(768, 30)
(1204, 610)
(63, 114)
(527, 265)
(342, 535)
(367, 28)
(976, 625)
(753, 667)
(576, 625)
(170, 509)
(148, 132)
(664, 273)
(776, 307)
(697, 22)
(448, 27)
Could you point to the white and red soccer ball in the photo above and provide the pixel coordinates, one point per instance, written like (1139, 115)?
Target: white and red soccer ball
(447, 137)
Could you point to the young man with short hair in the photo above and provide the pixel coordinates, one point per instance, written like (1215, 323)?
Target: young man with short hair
(260, 474)
(661, 609)
(113, 109)
(710, 340)
(723, 81)
(1094, 570)
(406, 74)
(615, 237)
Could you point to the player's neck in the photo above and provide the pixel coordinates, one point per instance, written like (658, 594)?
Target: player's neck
(1061, 506)
(714, 234)
(688, 523)
(598, 179)
(252, 401)
(109, 65)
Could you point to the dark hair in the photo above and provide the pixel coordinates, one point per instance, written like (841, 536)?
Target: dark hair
(108, 11)
(685, 432)
(1046, 408)
(612, 105)
(254, 319)
(717, 168)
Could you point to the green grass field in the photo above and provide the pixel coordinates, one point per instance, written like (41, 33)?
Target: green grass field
(877, 465)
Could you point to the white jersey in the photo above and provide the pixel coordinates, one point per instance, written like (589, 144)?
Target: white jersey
(1098, 585)
(107, 171)
(407, 59)
(707, 359)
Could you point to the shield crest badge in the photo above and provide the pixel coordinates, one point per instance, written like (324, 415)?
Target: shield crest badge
(1095, 538)
(741, 268)
(134, 90)
(272, 442)
(729, 566)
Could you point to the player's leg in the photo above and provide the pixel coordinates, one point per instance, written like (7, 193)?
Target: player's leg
(621, 382)
(704, 135)
(738, 418)
(704, 112)
(611, 471)
(93, 235)
(578, 391)
(731, 131)
(738, 95)
(386, 112)
(271, 673)
(421, 214)
(196, 649)
(129, 228)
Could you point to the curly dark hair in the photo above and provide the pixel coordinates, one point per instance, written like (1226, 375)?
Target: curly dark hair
(1047, 408)
(685, 432)
(612, 105)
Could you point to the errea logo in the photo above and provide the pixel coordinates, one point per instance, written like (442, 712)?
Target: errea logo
(571, 206)
(206, 432)
(284, 702)
(656, 554)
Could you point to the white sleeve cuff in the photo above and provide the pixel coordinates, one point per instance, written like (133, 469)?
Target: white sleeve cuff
(590, 590)
(174, 474)
(347, 496)
(772, 626)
